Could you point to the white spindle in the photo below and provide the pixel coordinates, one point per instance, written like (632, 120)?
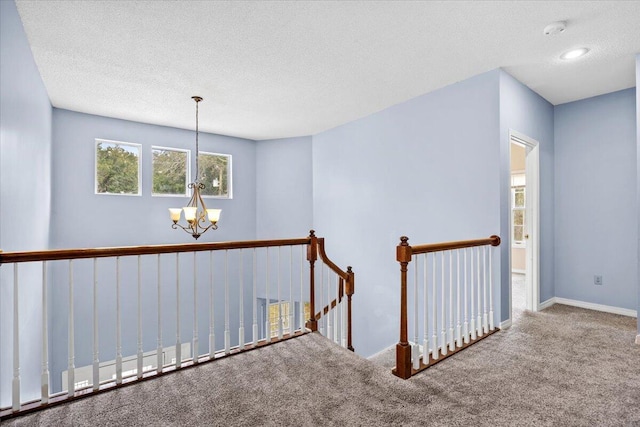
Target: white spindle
(452, 345)
(241, 308)
(458, 326)
(344, 320)
(118, 326)
(465, 330)
(255, 300)
(434, 338)
(472, 305)
(485, 323)
(491, 321)
(15, 385)
(279, 297)
(71, 367)
(301, 308)
(159, 352)
(479, 289)
(267, 326)
(194, 344)
(227, 331)
(415, 353)
(443, 317)
(425, 320)
(336, 314)
(212, 330)
(322, 319)
(139, 370)
(44, 382)
(291, 306)
(329, 311)
(96, 357)
(178, 343)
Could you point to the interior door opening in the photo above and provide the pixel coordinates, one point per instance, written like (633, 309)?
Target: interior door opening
(524, 223)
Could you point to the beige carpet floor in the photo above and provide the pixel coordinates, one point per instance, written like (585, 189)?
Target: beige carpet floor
(561, 367)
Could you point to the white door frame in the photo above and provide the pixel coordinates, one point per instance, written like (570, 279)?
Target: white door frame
(532, 222)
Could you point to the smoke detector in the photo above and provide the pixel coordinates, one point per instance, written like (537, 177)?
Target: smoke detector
(555, 28)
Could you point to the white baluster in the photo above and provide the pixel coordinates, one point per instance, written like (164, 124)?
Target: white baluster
(435, 353)
(212, 324)
(15, 384)
(178, 343)
(465, 329)
(118, 326)
(472, 305)
(322, 319)
(416, 348)
(255, 300)
(485, 323)
(96, 357)
(291, 304)
(194, 344)
(267, 326)
(491, 321)
(452, 345)
(336, 314)
(241, 308)
(443, 333)
(227, 331)
(344, 320)
(425, 320)
(479, 290)
(71, 351)
(139, 370)
(44, 380)
(329, 311)
(301, 308)
(279, 298)
(159, 352)
(458, 326)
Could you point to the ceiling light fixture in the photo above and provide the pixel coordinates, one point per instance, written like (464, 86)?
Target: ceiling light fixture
(574, 53)
(196, 212)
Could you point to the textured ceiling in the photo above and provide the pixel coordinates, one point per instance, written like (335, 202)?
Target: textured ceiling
(279, 69)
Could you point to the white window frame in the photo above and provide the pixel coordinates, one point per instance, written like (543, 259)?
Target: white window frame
(187, 175)
(95, 166)
(229, 174)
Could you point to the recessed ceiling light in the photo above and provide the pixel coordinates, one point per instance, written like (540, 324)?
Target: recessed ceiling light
(574, 53)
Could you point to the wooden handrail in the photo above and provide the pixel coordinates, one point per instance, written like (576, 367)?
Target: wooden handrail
(328, 262)
(460, 244)
(61, 254)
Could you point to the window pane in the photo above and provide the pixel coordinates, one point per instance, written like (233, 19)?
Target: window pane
(518, 217)
(519, 197)
(117, 168)
(274, 318)
(518, 232)
(215, 174)
(169, 171)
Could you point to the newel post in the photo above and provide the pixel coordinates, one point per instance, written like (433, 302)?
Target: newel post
(350, 290)
(312, 256)
(403, 349)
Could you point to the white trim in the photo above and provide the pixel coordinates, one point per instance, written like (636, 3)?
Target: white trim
(506, 324)
(593, 306)
(548, 303)
(516, 271)
(381, 351)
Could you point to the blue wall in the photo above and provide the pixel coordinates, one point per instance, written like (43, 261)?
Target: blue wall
(596, 222)
(25, 194)
(284, 190)
(524, 111)
(428, 168)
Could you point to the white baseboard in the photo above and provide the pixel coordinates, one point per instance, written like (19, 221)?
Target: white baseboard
(506, 324)
(638, 339)
(593, 306)
(546, 304)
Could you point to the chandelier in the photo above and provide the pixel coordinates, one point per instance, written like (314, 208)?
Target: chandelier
(199, 218)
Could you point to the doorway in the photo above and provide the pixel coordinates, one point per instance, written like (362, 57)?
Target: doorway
(524, 223)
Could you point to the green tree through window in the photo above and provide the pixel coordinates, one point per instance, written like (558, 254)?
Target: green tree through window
(117, 168)
(169, 171)
(215, 174)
